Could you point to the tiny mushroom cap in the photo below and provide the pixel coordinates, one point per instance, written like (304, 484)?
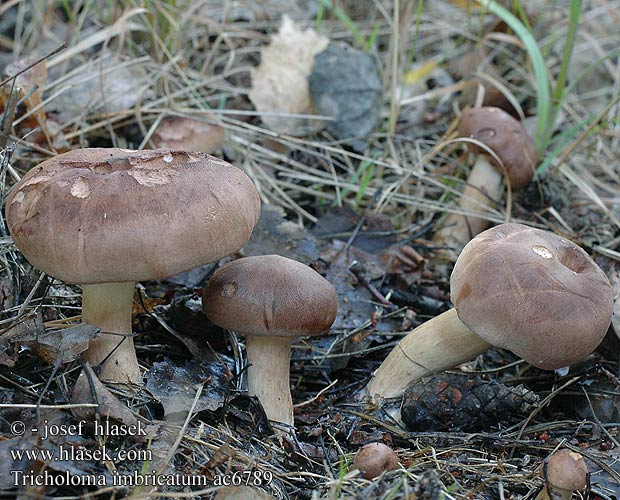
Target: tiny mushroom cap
(506, 137)
(534, 293)
(374, 459)
(270, 295)
(116, 215)
(567, 470)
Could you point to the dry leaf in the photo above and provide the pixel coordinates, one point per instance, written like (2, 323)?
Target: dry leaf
(280, 82)
(31, 84)
(187, 134)
(109, 405)
(60, 345)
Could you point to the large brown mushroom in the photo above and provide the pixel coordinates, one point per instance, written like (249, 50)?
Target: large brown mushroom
(519, 288)
(508, 140)
(270, 299)
(106, 218)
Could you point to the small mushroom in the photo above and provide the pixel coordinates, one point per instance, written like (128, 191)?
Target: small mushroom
(374, 459)
(176, 132)
(515, 287)
(564, 471)
(507, 138)
(106, 218)
(270, 299)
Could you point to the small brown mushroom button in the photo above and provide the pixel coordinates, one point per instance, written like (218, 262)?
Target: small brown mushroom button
(270, 299)
(105, 218)
(374, 459)
(507, 138)
(516, 287)
(564, 471)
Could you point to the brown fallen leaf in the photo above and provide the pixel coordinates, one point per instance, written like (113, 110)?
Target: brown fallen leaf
(60, 345)
(187, 134)
(109, 405)
(31, 84)
(280, 82)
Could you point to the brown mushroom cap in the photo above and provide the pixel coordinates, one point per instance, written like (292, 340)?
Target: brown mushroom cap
(374, 459)
(534, 293)
(176, 132)
(567, 470)
(116, 215)
(506, 137)
(270, 295)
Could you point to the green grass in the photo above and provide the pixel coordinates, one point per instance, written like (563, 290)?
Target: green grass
(548, 104)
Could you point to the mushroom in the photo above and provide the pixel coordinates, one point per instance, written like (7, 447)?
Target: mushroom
(374, 459)
(564, 471)
(515, 287)
(176, 132)
(270, 299)
(507, 138)
(106, 218)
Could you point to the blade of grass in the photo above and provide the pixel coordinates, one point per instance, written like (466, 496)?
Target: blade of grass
(543, 92)
(347, 22)
(558, 91)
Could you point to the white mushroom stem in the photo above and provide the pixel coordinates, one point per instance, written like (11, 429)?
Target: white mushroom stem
(441, 343)
(109, 307)
(483, 189)
(268, 375)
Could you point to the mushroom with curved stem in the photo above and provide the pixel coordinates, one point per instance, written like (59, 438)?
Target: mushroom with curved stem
(106, 218)
(515, 287)
(564, 472)
(270, 299)
(507, 139)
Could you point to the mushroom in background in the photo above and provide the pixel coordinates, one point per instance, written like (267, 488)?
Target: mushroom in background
(106, 218)
(270, 299)
(507, 138)
(188, 134)
(374, 459)
(564, 471)
(523, 289)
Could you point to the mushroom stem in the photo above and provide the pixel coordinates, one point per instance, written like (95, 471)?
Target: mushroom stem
(109, 306)
(441, 343)
(548, 493)
(484, 188)
(268, 375)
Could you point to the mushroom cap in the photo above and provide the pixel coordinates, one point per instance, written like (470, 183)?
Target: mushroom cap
(506, 137)
(115, 215)
(177, 132)
(567, 470)
(375, 458)
(270, 295)
(534, 293)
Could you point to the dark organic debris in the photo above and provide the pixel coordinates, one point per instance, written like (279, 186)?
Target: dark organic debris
(456, 402)
(175, 386)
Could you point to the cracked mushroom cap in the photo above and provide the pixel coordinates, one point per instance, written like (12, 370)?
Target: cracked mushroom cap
(270, 295)
(506, 137)
(567, 470)
(534, 293)
(116, 215)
